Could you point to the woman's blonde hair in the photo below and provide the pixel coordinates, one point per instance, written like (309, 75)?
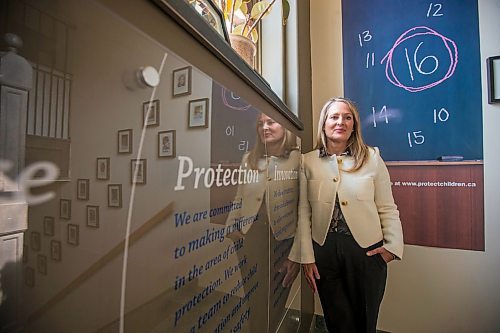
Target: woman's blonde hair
(356, 145)
(288, 143)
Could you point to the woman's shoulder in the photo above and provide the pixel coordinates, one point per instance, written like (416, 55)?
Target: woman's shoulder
(374, 156)
(311, 157)
(311, 154)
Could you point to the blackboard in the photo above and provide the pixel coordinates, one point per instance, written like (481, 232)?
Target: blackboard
(413, 69)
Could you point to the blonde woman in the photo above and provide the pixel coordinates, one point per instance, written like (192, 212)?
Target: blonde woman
(349, 226)
(267, 239)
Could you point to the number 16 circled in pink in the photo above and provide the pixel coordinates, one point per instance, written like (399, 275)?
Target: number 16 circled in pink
(450, 46)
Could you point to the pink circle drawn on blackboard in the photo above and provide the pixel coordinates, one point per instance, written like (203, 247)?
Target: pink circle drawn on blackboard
(226, 103)
(448, 43)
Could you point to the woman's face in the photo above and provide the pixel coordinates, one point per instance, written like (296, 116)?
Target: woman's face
(270, 132)
(339, 123)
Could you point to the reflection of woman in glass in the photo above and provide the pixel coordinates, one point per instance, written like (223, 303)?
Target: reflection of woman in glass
(275, 150)
(268, 238)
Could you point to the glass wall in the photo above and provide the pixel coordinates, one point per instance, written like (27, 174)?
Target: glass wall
(137, 193)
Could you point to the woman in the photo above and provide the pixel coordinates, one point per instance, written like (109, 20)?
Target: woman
(349, 227)
(275, 149)
(273, 200)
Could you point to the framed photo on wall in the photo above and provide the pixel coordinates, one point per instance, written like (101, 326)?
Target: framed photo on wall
(82, 189)
(102, 168)
(55, 250)
(29, 277)
(25, 253)
(35, 241)
(181, 81)
(48, 226)
(65, 209)
(115, 195)
(151, 113)
(166, 143)
(41, 264)
(198, 113)
(141, 173)
(93, 216)
(125, 141)
(493, 72)
(73, 234)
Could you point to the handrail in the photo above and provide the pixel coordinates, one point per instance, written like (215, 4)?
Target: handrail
(101, 262)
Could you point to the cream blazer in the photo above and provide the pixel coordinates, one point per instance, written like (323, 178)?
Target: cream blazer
(280, 195)
(365, 197)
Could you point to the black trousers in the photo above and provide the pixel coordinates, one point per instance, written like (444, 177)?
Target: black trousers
(351, 284)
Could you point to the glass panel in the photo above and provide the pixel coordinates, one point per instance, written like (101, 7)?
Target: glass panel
(137, 194)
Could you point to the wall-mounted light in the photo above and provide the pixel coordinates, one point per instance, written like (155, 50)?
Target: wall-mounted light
(149, 76)
(493, 79)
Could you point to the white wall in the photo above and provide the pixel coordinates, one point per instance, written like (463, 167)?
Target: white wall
(431, 289)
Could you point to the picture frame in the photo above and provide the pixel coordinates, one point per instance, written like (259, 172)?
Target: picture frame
(48, 226)
(35, 241)
(41, 264)
(115, 195)
(93, 216)
(166, 143)
(73, 236)
(198, 113)
(102, 168)
(29, 277)
(212, 15)
(82, 189)
(55, 250)
(125, 141)
(141, 166)
(493, 64)
(65, 209)
(152, 118)
(181, 81)
(25, 254)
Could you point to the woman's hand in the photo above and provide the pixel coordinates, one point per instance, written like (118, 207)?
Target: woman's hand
(312, 274)
(291, 270)
(386, 255)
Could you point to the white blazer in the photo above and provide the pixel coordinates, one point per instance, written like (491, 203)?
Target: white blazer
(280, 195)
(365, 197)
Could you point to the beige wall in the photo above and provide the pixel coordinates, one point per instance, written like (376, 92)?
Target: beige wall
(431, 290)
(326, 54)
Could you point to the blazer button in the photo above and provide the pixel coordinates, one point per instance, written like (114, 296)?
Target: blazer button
(259, 199)
(339, 161)
(335, 179)
(269, 179)
(344, 203)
